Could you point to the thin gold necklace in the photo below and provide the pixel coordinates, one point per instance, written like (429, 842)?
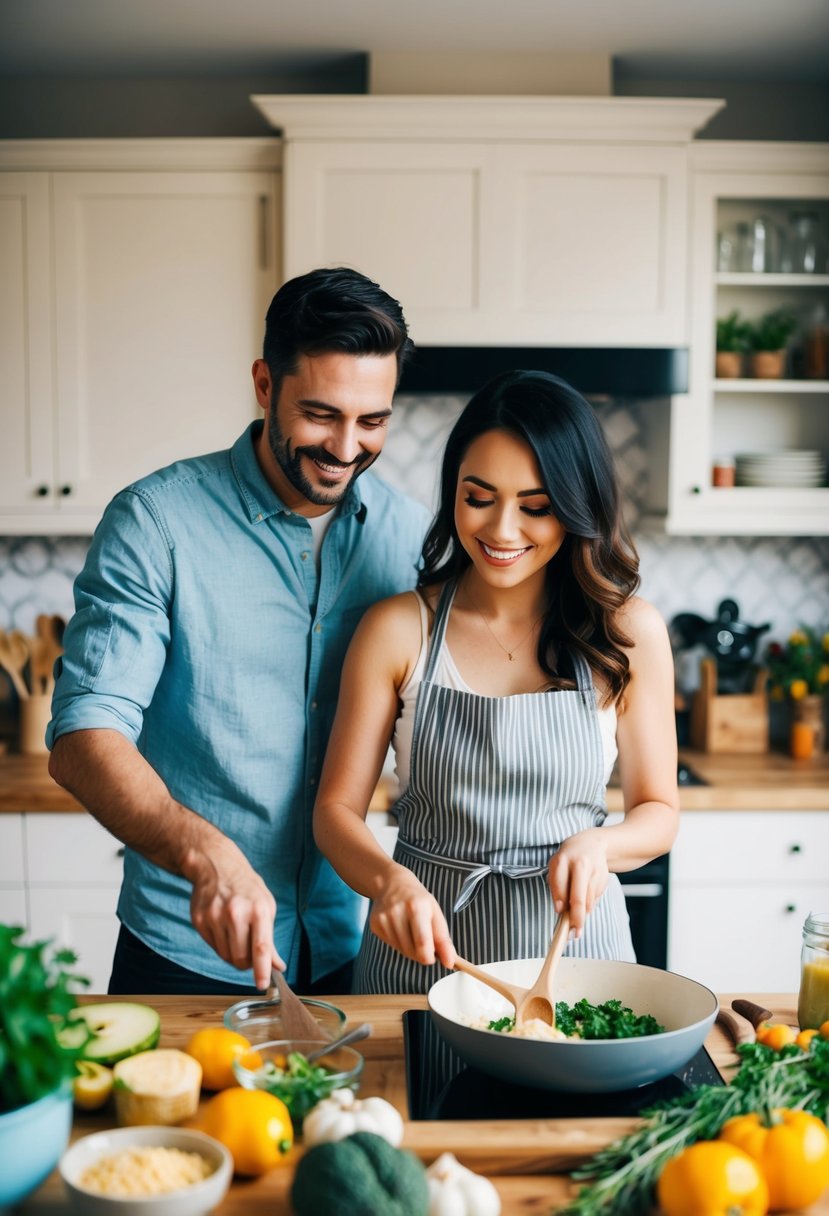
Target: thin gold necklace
(518, 645)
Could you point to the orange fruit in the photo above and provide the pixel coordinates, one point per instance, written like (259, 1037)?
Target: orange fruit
(824, 1030)
(804, 1039)
(253, 1125)
(216, 1048)
(775, 1035)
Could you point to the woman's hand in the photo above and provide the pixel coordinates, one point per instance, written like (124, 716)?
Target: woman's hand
(407, 918)
(578, 875)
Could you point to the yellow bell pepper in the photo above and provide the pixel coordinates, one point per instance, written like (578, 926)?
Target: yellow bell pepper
(792, 1152)
(712, 1178)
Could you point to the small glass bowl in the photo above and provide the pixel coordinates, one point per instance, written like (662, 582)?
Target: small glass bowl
(260, 1019)
(344, 1066)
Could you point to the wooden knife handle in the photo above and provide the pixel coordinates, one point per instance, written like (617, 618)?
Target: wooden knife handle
(736, 1027)
(755, 1014)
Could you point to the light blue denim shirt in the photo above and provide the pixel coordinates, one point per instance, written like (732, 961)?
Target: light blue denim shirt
(204, 632)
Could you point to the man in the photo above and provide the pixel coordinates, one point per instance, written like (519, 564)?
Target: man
(201, 668)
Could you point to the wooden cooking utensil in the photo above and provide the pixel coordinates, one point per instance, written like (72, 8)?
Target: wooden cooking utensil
(540, 1001)
(755, 1014)
(14, 654)
(738, 1028)
(297, 1021)
(532, 1002)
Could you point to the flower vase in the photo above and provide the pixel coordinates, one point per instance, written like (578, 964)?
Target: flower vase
(808, 729)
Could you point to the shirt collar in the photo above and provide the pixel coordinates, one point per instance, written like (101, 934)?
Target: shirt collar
(260, 498)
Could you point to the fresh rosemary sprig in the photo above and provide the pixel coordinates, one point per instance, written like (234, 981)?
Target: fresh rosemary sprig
(621, 1177)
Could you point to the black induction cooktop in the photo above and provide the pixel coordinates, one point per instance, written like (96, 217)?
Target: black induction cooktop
(441, 1086)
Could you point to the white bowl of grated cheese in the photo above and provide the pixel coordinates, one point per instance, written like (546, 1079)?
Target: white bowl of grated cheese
(146, 1171)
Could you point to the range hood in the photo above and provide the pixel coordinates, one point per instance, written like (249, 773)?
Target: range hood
(607, 371)
(551, 232)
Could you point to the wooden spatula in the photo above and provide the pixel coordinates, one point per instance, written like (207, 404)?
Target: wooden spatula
(540, 1000)
(296, 1020)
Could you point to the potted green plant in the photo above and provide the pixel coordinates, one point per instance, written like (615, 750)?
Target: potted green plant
(767, 339)
(36, 1068)
(799, 673)
(732, 343)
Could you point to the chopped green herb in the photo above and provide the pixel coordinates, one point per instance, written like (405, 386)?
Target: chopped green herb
(299, 1084)
(611, 1020)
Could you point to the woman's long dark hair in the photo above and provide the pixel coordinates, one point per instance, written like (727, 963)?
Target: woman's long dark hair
(597, 568)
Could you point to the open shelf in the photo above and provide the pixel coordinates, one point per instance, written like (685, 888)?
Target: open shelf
(771, 386)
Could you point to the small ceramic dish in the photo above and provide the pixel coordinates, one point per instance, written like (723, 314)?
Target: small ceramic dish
(192, 1199)
(338, 1069)
(260, 1019)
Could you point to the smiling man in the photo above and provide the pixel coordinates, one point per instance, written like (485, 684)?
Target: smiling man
(201, 668)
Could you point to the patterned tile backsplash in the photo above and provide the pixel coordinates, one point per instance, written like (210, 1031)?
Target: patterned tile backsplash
(783, 580)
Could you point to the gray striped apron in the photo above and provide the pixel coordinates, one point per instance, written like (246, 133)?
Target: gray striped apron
(495, 785)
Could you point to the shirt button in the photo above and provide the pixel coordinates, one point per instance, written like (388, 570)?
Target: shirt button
(312, 781)
(313, 705)
(318, 627)
(304, 555)
(259, 517)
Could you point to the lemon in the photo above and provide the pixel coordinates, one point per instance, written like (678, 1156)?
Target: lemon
(92, 1086)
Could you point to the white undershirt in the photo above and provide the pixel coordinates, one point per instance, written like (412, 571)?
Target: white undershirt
(319, 526)
(447, 675)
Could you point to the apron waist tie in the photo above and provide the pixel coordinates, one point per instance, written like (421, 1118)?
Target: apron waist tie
(476, 874)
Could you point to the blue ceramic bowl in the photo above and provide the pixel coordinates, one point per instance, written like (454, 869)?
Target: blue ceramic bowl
(31, 1142)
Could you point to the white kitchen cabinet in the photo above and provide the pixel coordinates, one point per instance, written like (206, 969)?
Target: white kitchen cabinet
(69, 882)
(742, 884)
(13, 910)
(731, 184)
(547, 221)
(138, 277)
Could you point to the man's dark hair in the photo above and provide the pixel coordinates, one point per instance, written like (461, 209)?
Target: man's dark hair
(332, 310)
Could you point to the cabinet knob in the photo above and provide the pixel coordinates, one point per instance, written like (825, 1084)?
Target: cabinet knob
(795, 848)
(791, 907)
(42, 491)
(696, 489)
(120, 852)
(65, 491)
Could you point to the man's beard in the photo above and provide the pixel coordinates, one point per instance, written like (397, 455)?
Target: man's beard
(291, 465)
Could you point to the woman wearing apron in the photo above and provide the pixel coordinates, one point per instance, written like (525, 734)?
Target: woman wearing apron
(508, 682)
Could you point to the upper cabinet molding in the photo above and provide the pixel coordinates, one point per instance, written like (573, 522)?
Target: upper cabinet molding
(365, 117)
(180, 155)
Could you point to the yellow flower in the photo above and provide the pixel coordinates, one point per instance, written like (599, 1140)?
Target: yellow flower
(798, 689)
(798, 638)
(823, 674)
(826, 642)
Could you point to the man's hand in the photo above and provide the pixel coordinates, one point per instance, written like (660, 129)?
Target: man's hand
(233, 910)
(407, 918)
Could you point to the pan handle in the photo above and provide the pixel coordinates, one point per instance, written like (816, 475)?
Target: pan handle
(738, 1029)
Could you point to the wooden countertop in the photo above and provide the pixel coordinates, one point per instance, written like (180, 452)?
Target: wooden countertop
(526, 1159)
(771, 782)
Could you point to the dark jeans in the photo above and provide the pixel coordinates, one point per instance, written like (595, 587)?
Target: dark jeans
(139, 971)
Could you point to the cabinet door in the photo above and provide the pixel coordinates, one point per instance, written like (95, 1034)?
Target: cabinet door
(409, 215)
(592, 243)
(26, 452)
(162, 281)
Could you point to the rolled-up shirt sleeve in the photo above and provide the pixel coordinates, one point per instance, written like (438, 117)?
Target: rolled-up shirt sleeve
(115, 645)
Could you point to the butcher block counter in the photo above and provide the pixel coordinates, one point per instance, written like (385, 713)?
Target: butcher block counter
(527, 1160)
(772, 782)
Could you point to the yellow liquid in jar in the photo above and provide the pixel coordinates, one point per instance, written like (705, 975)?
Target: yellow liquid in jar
(813, 1003)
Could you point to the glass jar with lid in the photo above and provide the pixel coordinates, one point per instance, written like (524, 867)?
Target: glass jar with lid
(805, 245)
(813, 1001)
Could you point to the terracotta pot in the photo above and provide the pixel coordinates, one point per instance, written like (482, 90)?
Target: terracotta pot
(768, 364)
(808, 729)
(728, 364)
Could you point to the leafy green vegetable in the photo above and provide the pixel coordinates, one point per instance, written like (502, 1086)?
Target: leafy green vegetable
(610, 1020)
(621, 1177)
(35, 1000)
(299, 1084)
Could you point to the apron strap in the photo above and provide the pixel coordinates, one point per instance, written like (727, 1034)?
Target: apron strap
(476, 875)
(444, 606)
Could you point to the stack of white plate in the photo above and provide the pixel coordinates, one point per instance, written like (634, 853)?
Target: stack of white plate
(796, 469)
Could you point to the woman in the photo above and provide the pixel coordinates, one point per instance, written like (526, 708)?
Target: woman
(507, 683)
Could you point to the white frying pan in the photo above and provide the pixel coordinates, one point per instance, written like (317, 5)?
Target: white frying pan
(685, 1008)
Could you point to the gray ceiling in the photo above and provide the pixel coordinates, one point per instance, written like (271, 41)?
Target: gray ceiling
(751, 40)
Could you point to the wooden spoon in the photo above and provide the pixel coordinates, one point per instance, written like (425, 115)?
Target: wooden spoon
(539, 1001)
(14, 654)
(532, 1002)
(297, 1021)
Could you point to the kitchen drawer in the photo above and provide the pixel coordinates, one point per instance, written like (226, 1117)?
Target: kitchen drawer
(745, 939)
(762, 846)
(68, 849)
(12, 868)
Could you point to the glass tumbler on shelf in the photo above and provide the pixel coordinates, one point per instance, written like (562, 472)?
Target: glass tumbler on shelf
(813, 1000)
(727, 251)
(805, 246)
(762, 255)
